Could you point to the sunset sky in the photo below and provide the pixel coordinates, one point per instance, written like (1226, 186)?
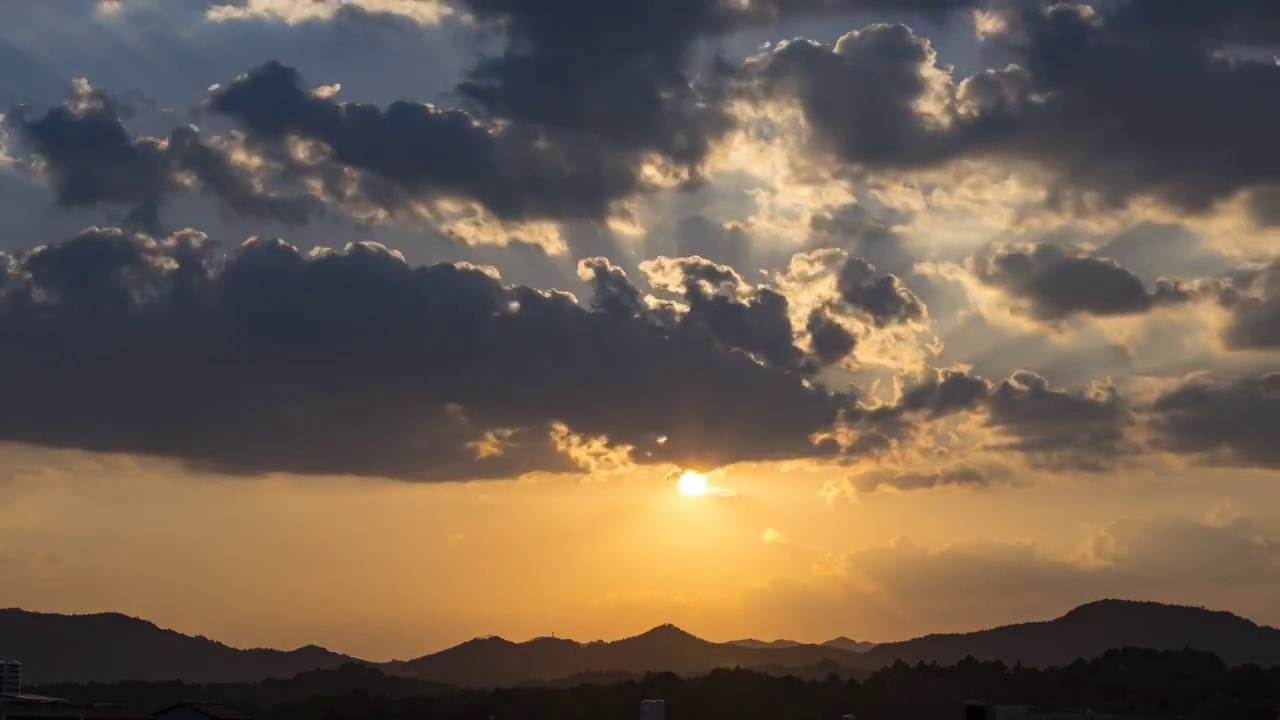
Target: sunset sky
(385, 324)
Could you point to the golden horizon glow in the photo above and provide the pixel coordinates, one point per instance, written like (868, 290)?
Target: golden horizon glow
(692, 484)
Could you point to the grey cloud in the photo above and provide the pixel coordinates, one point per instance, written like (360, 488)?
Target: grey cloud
(1225, 421)
(958, 475)
(753, 320)
(618, 71)
(831, 341)
(1255, 322)
(412, 152)
(945, 392)
(358, 363)
(1061, 429)
(883, 297)
(1116, 103)
(91, 159)
(860, 95)
(1058, 281)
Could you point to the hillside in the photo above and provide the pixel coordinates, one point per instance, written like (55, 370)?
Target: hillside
(109, 647)
(844, 643)
(1090, 630)
(495, 661)
(112, 647)
(764, 644)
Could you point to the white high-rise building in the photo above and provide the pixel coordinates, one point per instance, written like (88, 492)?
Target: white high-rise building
(10, 677)
(652, 710)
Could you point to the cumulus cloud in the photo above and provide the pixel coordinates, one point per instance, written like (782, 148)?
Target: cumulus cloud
(1225, 421)
(619, 71)
(1057, 281)
(1255, 307)
(357, 362)
(90, 158)
(1063, 429)
(415, 153)
(1115, 101)
(718, 303)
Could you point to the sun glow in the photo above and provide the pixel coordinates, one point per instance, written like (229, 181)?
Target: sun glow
(692, 484)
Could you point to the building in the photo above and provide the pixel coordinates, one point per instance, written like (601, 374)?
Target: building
(652, 710)
(197, 710)
(10, 677)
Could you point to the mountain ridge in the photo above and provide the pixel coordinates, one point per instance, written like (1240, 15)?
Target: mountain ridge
(112, 647)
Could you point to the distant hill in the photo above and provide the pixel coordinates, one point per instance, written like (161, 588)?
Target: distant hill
(764, 644)
(495, 661)
(845, 643)
(840, 643)
(110, 647)
(1090, 630)
(113, 647)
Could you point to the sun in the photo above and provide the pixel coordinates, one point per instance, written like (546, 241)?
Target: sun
(692, 484)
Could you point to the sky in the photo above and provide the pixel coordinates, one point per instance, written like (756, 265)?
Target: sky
(386, 324)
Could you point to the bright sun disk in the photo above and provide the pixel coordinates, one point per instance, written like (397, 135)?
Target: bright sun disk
(692, 484)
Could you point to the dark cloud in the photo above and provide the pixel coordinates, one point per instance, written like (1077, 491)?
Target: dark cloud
(91, 159)
(1060, 429)
(882, 297)
(1058, 281)
(719, 303)
(958, 475)
(861, 95)
(1255, 322)
(944, 393)
(831, 341)
(356, 362)
(1120, 101)
(1229, 422)
(413, 152)
(619, 71)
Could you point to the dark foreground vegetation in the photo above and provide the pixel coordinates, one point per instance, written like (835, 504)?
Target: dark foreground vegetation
(1133, 682)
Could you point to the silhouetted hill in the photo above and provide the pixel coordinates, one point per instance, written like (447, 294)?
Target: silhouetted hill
(494, 661)
(849, 644)
(840, 643)
(110, 647)
(1090, 630)
(762, 644)
(113, 647)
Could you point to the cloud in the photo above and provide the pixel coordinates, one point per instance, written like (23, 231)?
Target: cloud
(956, 475)
(356, 362)
(719, 304)
(91, 159)
(1255, 322)
(883, 591)
(415, 153)
(619, 71)
(295, 11)
(1057, 281)
(1224, 421)
(1114, 101)
(774, 537)
(1061, 429)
